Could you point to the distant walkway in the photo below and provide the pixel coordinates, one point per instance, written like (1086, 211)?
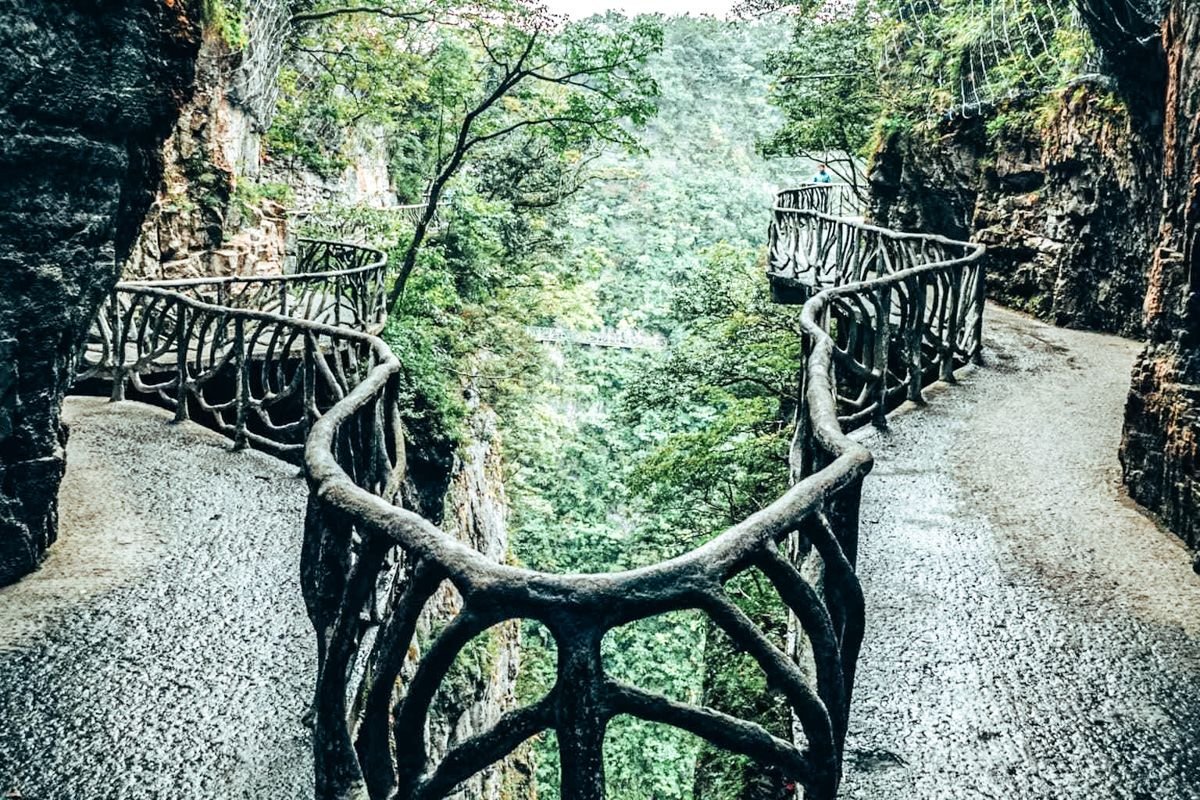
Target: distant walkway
(1030, 636)
(162, 651)
(619, 338)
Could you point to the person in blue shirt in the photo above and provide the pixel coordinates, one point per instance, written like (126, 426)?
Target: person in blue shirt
(822, 175)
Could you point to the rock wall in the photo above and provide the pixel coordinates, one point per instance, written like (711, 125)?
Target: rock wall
(1160, 451)
(1063, 190)
(209, 216)
(366, 180)
(482, 685)
(220, 207)
(90, 91)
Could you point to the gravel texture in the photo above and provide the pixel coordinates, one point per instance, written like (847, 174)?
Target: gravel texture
(162, 651)
(1030, 633)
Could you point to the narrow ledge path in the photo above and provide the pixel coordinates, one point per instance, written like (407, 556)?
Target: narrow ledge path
(1030, 634)
(162, 651)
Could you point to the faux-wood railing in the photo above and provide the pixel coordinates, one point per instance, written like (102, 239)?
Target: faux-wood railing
(884, 314)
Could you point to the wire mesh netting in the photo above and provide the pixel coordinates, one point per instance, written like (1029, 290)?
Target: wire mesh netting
(957, 56)
(961, 55)
(268, 30)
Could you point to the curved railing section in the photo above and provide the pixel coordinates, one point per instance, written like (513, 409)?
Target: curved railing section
(902, 310)
(258, 358)
(802, 255)
(895, 329)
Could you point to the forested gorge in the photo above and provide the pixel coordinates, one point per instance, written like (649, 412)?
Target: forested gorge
(636, 204)
(612, 173)
(537, 179)
(614, 458)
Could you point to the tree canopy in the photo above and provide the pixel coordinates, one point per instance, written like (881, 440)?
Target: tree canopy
(858, 67)
(449, 84)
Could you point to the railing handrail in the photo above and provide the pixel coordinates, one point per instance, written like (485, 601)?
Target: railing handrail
(379, 263)
(724, 551)
(313, 326)
(609, 599)
(353, 453)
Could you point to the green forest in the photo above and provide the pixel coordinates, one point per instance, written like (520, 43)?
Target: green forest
(628, 457)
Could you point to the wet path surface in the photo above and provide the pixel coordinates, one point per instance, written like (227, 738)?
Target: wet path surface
(1030, 634)
(162, 651)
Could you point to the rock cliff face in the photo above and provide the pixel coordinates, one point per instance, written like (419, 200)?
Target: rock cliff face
(482, 685)
(1161, 447)
(208, 215)
(365, 181)
(220, 206)
(89, 92)
(1063, 190)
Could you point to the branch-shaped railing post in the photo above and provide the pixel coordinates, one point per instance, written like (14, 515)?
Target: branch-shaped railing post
(580, 718)
(309, 390)
(915, 338)
(801, 451)
(816, 621)
(881, 356)
(826, 324)
(373, 741)
(117, 351)
(844, 593)
(181, 359)
(980, 300)
(242, 390)
(338, 291)
(950, 329)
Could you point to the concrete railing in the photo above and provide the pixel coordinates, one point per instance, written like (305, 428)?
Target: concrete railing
(258, 358)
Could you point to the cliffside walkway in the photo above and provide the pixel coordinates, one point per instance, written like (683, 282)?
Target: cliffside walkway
(1031, 634)
(1024, 633)
(162, 650)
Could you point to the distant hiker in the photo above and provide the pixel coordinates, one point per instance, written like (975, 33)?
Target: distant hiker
(822, 175)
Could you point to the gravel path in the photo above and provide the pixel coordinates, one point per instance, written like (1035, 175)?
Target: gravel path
(162, 651)
(1030, 634)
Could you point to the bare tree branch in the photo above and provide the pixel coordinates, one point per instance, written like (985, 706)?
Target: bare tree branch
(422, 15)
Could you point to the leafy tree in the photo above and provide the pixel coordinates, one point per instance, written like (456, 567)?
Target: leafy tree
(730, 383)
(855, 67)
(666, 238)
(450, 81)
(828, 89)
